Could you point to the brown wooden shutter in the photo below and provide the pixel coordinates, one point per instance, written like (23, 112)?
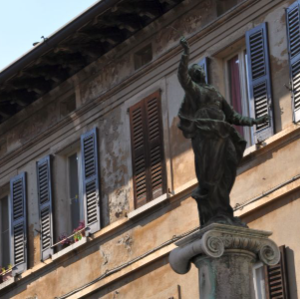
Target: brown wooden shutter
(276, 279)
(149, 174)
(259, 80)
(203, 63)
(18, 223)
(293, 32)
(91, 188)
(45, 206)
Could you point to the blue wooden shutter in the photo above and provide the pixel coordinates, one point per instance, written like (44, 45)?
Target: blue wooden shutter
(18, 223)
(203, 63)
(259, 80)
(45, 206)
(293, 38)
(91, 191)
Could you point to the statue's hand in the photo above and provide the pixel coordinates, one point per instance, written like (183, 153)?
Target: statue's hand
(261, 120)
(184, 44)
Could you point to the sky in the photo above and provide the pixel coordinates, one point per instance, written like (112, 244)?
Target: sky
(23, 22)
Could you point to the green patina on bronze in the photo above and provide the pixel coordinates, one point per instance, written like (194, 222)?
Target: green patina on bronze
(206, 118)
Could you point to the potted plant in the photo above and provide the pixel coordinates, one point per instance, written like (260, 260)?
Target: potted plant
(5, 273)
(79, 232)
(65, 241)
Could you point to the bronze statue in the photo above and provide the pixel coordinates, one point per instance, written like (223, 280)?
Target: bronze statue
(205, 118)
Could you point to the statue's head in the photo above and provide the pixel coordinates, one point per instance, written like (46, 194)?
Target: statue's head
(197, 73)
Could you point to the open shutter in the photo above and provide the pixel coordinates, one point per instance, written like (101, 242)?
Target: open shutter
(276, 278)
(203, 64)
(18, 223)
(155, 145)
(149, 174)
(259, 80)
(45, 206)
(293, 32)
(91, 191)
(139, 155)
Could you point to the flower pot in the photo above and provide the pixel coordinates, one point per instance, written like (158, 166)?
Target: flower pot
(6, 276)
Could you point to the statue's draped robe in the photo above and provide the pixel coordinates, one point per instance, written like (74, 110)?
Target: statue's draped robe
(205, 117)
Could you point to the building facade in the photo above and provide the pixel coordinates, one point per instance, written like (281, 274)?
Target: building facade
(96, 178)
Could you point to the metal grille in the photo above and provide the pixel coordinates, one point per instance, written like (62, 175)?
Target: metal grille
(260, 102)
(294, 32)
(257, 55)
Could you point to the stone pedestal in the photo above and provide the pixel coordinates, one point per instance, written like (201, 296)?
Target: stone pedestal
(224, 256)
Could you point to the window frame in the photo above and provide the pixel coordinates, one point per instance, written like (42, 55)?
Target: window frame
(77, 151)
(259, 293)
(7, 196)
(244, 87)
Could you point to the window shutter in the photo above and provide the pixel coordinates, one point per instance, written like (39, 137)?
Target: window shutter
(139, 156)
(259, 80)
(203, 63)
(91, 190)
(276, 278)
(149, 175)
(293, 32)
(45, 205)
(18, 223)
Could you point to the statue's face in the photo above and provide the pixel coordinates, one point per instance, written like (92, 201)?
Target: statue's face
(197, 74)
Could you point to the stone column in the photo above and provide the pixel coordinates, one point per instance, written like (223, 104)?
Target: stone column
(224, 256)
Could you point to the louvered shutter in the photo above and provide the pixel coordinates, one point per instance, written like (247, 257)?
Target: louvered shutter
(293, 32)
(45, 206)
(259, 80)
(91, 190)
(139, 156)
(18, 223)
(203, 63)
(276, 278)
(149, 175)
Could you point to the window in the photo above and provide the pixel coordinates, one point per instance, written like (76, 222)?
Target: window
(149, 174)
(142, 56)
(259, 281)
(271, 282)
(236, 66)
(67, 105)
(75, 200)
(4, 233)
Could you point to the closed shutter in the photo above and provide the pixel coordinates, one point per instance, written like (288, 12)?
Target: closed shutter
(203, 63)
(18, 223)
(91, 190)
(259, 80)
(276, 278)
(45, 206)
(149, 175)
(293, 32)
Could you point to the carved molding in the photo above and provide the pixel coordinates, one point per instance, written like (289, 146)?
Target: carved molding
(215, 239)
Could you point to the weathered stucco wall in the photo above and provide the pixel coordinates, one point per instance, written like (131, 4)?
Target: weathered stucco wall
(104, 91)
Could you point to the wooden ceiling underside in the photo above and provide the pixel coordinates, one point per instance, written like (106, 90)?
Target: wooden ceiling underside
(80, 48)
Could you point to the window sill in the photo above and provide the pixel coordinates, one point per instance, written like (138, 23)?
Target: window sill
(69, 248)
(149, 205)
(7, 283)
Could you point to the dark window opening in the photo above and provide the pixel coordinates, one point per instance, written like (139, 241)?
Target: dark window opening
(143, 57)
